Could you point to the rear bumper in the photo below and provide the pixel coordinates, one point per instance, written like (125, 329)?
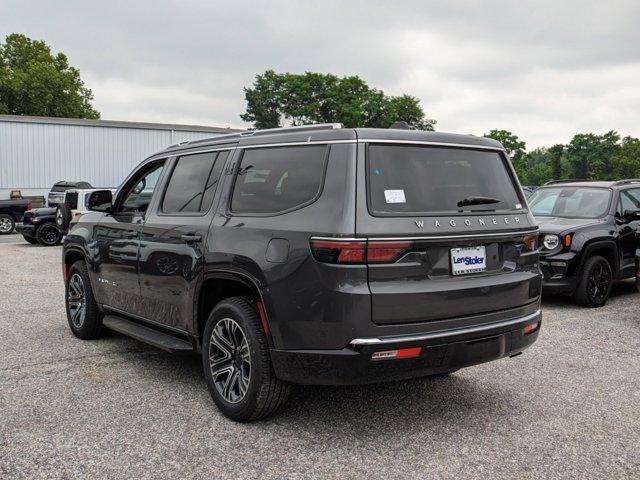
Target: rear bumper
(440, 352)
(26, 230)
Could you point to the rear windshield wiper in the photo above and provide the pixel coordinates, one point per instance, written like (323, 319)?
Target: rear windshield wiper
(477, 201)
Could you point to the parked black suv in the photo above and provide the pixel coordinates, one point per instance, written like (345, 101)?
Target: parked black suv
(313, 255)
(587, 236)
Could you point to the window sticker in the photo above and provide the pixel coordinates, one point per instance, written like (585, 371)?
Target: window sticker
(394, 196)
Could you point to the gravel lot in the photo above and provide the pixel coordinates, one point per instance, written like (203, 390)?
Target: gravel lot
(567, 408)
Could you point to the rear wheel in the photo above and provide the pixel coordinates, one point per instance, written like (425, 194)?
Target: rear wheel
(595, 282)
(237, 365)
(83, 315)
(7, 224)
(48, 235)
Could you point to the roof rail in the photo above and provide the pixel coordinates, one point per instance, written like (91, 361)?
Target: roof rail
(625, 182)
(568, 180)
(265, 131)
(295, 128)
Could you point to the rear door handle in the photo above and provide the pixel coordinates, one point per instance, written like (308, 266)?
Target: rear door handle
(191, 238)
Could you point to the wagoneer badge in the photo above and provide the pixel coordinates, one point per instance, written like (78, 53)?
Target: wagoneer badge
(483, 222)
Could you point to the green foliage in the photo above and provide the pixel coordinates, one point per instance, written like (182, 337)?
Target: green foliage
(35, 82)
(298, 99)
(588, 156)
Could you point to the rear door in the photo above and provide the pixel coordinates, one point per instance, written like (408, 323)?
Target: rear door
(447, 230)
(173, 236)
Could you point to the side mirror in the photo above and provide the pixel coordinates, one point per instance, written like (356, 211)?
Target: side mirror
(632, 215)
(100, 201)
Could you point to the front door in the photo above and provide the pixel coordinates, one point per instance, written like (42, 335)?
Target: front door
(117, 238)
(173, 238)
(629, 200)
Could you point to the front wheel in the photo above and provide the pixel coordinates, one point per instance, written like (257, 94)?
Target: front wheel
(83, 315)
(7, 224)
(49, 235)
(594, 283)
(237, 364)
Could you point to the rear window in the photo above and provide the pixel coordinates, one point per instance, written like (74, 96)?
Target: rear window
(276, 180)
(407, 179)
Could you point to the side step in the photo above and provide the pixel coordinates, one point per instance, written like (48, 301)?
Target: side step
(148, 335)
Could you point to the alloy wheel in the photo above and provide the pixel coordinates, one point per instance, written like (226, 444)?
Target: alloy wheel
(50, 235)
(599, 281)
(230, 360)
(5, 225)
(76, 300)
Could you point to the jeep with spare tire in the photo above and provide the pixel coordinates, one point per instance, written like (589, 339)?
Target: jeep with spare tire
(312, 255)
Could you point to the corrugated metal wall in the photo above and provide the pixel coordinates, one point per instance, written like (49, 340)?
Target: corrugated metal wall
(33, 156)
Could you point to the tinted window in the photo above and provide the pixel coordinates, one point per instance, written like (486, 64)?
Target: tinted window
(570, 202)
(272, 180)
(139, 197)
(193, 183)
(411, 179)
(630, 200)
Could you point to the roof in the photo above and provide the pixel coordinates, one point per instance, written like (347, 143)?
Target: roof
(115, 123)
(336, 133)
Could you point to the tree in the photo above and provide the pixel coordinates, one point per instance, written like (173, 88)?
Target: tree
(626, 162)
(514, 147)
(589, 156)
(276, 99)
(555, 155)
(35, 82)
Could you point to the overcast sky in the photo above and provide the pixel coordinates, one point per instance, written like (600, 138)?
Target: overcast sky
(543, 69)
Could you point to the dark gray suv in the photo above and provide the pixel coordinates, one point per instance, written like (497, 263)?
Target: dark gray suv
(312, 255)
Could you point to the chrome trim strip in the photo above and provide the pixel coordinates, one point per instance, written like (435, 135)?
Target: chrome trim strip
(288, 144)
(434, 237)
(150, 323)
(443, 333)
(435, 144)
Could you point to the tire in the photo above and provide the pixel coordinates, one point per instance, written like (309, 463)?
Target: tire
(254, 391)
(7, 224)
(83, 315)
(63, 217)
(49, 235)
(31, 240)
(594, 283)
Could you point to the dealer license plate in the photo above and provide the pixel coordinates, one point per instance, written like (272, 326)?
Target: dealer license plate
(468, 260)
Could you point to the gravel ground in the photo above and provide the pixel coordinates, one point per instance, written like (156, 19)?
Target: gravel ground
(115, 408)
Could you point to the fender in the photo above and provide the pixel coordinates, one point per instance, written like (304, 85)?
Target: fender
(608, 244)
(244, 278)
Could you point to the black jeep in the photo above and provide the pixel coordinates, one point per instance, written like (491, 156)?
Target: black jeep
(312, 255)
(587, 236)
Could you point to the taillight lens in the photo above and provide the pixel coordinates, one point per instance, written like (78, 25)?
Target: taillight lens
(29, 207)
(358, 252)
(386, 252)
(531, 241)
(346, 252)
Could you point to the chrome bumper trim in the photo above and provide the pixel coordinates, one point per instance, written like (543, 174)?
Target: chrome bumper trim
(444, 333)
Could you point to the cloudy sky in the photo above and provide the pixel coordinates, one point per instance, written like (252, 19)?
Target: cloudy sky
(542, 69)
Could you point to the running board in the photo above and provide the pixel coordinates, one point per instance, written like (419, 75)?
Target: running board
(148, 335)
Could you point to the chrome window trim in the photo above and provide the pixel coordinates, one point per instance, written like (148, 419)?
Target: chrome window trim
(443, 333)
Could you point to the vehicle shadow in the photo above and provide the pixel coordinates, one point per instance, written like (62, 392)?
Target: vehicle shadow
(619, 289)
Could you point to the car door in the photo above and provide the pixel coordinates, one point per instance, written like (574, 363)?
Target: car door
(173, 236)
(117, 239)
(629, 200)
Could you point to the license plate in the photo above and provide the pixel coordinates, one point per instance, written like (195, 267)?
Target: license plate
(468, 260)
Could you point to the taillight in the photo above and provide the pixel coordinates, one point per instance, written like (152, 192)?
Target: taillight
(400, 353)
(531, 328)
(330, 251)
(29, 207)
(531, 241)
(386, 252)
(358, 251)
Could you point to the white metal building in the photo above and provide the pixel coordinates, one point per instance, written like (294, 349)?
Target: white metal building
(36, 152)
